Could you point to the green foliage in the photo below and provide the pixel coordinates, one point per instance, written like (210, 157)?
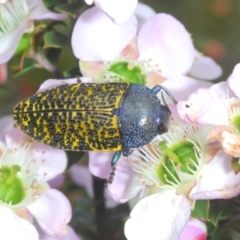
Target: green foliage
(23, 45)
(28, 65)
(73, 72)
(236, 165)
(51, 4)
(55, 39)
(201, 209)
(71, 9)
(216, 209)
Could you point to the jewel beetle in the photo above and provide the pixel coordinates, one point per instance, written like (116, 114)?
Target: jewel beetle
(94, 116)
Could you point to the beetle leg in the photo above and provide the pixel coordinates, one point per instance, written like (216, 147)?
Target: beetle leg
(158, 88)
(115, 157)
(127, 152)
(78, 79)
(111, 177)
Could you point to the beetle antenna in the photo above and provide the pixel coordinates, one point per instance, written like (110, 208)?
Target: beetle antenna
(158, 88)
(169, 94)
(163, 99)
(165, 102)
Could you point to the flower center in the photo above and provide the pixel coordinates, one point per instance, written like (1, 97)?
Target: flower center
(11, 187)
(236, 122)
(127, 71)
(12, 14)
(174, 159)
(179, 160)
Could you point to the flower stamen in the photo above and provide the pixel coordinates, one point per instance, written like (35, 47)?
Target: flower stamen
(12, 15)
(170, 154)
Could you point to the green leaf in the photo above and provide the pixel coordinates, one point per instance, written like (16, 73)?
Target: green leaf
(221, 235)
(228, 210)
(71, 9)
(55, 40)
(216, 209)
(236, 226)
(73, 72)
(28, 66)
(53, 54)
(23, 45)
(51, 4)
(201, 209)
(210, 228)
(236, 165)
(83, 217)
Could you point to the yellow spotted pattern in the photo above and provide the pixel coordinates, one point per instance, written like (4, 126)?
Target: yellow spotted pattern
(79, 117)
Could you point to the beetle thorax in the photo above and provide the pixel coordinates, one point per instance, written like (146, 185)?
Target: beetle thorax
(140, 115)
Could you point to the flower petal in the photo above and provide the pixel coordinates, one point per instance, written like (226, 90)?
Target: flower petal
(230, 143)
(164, 42)
(3, 73)
(100, 163)
(9, 43)
(89, 2)
(82, 177)
(118, 10)
(6, 124)
(14, 227)
(51, 161)
(57, 182)
(71, 235)
(93, 70)
(234, 80)
(126, 183)
(96, 38)
(204, 107)
(159, 216)
(52, 211)
(54, 161)
(182, 87)
(50, 83)
(195, 230)
(205, 68)
(226, 185)
(143, 12)
(39, 11)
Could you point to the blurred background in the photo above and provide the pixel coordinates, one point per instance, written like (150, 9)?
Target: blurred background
(215, 29)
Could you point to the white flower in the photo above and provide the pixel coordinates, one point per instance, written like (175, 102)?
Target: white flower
(176, 165)
(118, 10)
(28, 206)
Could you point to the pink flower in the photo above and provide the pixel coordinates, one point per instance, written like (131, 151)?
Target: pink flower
(28, 206)
(17, 18)
(218, 106)
(3, 73)
(159, 216)
(118, 10)
(195, 230)
(152, 56)
(175, 167)
(204, 68)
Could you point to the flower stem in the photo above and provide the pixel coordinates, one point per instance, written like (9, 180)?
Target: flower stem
(100, 209)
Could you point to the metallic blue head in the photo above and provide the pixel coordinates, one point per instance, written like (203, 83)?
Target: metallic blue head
(142, 117)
